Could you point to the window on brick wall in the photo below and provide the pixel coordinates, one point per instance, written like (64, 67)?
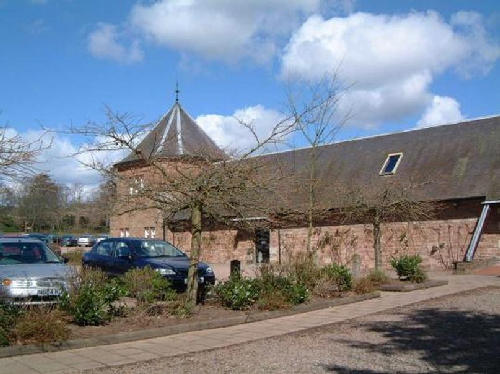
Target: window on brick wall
(149, 232)
(136, 186)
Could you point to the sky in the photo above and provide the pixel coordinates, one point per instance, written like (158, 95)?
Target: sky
(407, 64)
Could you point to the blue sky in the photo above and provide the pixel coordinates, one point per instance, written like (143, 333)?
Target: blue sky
(409, 63)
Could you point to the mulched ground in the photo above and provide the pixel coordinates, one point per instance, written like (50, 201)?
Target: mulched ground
(140, 319)
(454, 334)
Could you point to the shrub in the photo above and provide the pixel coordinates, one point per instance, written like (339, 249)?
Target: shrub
(298, 293)
(363, 285)
(408, 267)
(238, 292)
(147, 285)
(378, 277)
(90, 297)
(274, 281)
(303, 270)
(42, 325)
(419, 276)
(8, 316)
(339, 275)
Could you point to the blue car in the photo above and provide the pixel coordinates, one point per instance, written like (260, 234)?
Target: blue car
(116, 256)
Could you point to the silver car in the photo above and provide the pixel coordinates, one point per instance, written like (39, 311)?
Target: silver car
(30, 272)
(86, 241)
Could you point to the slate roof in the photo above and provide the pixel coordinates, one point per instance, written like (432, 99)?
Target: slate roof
(446, 162)
(177, 135)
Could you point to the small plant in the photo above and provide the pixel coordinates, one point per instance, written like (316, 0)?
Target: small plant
(238, 293)
(8, 316)
(303, 270)
(378, 277)
(363, 285)
(408, 268)
(180, 308)
(275, 284)
(90, 297)
(42, 325)
(339, 275)
(419, 276)
(147, 285)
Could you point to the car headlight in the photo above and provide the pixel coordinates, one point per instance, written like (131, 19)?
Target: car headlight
(209, 270)
(164, 271)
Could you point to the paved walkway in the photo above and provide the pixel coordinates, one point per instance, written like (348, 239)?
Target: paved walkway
(76, 360)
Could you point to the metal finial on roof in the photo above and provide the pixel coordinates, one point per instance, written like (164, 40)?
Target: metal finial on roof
(177, 91)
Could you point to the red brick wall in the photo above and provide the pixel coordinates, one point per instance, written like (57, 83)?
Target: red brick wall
(439, 242)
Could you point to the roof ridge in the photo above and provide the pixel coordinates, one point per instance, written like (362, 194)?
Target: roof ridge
(383, 135)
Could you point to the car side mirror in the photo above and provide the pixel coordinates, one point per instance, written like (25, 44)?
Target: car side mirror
(65, 260)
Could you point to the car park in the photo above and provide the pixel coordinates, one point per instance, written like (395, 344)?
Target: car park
(30, 273)
(86, 241)
(118, 255)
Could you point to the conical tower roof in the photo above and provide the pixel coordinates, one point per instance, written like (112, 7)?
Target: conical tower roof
(177, 135)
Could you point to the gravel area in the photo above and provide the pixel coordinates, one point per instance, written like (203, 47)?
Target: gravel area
(454, 334)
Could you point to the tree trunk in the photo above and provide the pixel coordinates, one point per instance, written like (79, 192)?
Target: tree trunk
(192, 290)
(311, 192)
(376, 242)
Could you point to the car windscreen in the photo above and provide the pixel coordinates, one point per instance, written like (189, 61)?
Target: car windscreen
(26, 253)
(157, 248)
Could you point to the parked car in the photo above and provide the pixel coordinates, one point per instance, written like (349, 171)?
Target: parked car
(68, 241)
(86, 241)
(100, 237)
(118, 255)
(30, 272)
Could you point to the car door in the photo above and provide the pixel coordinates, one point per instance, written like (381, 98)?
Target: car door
(103, 256)
(121, 257)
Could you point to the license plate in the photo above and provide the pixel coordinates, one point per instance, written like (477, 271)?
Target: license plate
(49, 292)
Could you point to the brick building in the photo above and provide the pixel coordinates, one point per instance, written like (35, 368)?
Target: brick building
(457, 165)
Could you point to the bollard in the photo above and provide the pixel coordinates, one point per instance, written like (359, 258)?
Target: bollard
(235, 268)
(356, 265)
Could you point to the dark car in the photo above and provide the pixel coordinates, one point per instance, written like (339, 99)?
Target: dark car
(68, 241)
(118, 255)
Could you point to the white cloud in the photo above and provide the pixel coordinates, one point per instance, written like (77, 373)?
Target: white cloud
(442, 110)
(105, 42)
(390, 61)
(61, 160)
(230, 134)
(221, 29)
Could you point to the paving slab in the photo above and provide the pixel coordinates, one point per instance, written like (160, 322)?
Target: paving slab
(75, 360)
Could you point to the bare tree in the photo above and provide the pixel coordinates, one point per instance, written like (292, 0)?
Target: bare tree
(315, 111)
(392, 202)
(198, 188)
(17, 155)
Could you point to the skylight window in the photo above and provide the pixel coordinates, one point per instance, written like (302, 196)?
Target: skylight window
(391, 164)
